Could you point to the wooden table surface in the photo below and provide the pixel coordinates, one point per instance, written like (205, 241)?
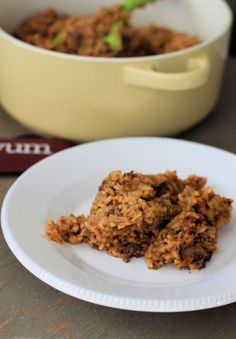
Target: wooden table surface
(31, 309)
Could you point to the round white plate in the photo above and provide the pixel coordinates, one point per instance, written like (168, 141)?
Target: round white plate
(67, 183)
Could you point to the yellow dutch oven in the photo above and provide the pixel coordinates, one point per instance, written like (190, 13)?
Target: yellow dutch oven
(87, 98)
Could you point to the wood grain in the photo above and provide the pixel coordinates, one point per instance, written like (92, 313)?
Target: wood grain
(31, 309)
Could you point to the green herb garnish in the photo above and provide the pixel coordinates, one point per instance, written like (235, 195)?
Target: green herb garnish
(57, 39)
(114, 38)
(130, 5)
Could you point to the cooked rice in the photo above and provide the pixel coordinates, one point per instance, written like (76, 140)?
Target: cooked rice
(84, 35)
(161, 217)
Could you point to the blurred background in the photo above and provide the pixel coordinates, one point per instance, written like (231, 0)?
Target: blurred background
(232, 3)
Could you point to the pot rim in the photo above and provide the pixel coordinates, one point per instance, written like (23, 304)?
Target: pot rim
(73, 57)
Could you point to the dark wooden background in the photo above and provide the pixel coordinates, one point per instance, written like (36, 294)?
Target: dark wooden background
(232, 3)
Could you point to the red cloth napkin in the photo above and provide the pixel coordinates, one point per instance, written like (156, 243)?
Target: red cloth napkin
(17, 155)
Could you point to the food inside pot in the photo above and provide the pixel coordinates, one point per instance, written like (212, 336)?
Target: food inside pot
(107, 33)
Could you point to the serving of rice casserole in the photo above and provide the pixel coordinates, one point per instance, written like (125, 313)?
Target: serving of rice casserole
(161, 217)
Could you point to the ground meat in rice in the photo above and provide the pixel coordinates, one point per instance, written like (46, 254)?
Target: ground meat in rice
(84, 35)
(161, 217)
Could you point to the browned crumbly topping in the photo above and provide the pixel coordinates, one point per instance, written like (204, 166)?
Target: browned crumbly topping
(84, 35)
(71, 229)
(187, 241)
(161, 217)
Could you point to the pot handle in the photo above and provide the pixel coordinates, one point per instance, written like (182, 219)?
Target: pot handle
(197, 74)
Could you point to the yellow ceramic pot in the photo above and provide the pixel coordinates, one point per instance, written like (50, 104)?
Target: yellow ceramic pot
(85, 98)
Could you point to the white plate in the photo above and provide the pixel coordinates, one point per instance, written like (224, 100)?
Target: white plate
(67, 182)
